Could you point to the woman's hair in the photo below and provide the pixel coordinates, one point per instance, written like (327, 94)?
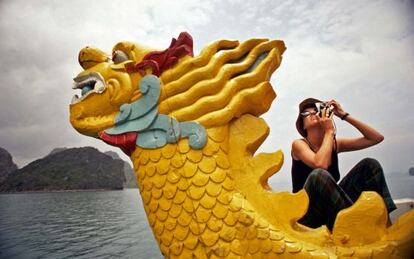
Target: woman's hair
(307, 103)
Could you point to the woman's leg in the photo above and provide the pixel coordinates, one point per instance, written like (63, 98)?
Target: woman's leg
(326, 199)
(367, 175)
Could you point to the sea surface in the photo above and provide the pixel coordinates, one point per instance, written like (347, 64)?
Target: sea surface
(98, 224)
(95, 224)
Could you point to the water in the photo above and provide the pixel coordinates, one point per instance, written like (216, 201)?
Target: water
(110, 224)
(400, 185)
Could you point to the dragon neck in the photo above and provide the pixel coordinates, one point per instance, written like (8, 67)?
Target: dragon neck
(185, 191)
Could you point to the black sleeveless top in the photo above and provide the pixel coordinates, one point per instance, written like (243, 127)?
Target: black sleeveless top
(300, 171)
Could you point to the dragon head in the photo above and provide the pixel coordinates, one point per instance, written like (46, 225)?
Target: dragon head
(188, 94)
(105, 85)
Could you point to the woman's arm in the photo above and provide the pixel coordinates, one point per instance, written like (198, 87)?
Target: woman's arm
(322, 158)
(370, 136)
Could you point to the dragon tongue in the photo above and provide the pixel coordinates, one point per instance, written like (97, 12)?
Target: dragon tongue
(126, 141)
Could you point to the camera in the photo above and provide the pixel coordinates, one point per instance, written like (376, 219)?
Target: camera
(321, 106)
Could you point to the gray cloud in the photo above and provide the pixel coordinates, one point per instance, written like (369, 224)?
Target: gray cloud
(361, 54)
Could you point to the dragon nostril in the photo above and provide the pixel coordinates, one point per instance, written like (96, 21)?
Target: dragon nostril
(89, 57)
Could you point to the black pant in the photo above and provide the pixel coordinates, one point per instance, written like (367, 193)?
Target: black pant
(327, 198)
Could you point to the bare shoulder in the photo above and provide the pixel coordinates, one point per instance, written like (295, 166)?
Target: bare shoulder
(298, 143)
(297, 146)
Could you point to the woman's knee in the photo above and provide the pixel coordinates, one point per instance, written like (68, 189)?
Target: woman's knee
(369, 167)
(318, 176)
(371, 163)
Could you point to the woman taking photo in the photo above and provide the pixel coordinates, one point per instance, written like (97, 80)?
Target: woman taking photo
(315, 163)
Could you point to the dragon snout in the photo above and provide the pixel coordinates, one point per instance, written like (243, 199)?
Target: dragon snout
(76, 112)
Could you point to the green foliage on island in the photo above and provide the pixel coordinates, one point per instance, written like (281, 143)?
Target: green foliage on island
(130, 180)
(68, 169)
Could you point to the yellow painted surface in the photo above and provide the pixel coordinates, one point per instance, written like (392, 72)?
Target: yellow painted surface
(215, 202)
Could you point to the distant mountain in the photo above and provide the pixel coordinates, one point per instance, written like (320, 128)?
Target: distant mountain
(130, 180)
(6, 164)
(68, 169)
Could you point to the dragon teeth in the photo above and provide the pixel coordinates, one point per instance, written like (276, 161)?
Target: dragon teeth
(93, 79)
(99, 87)
(75, 98)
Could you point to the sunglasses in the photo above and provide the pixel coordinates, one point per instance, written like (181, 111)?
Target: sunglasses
(307, 113)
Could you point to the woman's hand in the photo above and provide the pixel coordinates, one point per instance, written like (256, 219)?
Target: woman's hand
(370, 136)
(325, 120)
(338, 110)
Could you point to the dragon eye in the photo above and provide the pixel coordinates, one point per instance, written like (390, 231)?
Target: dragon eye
(119, 56)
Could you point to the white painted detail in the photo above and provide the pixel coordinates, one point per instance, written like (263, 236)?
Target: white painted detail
(95, 80)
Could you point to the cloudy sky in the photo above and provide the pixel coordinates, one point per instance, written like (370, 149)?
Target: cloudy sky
(360, 53)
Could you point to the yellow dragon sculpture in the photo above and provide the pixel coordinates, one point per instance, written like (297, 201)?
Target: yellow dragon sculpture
(191, 127)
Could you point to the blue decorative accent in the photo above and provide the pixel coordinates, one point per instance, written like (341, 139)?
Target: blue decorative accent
(150, 88)
(152, 139)
(155, 130)
(196, 133)
(138, 124)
